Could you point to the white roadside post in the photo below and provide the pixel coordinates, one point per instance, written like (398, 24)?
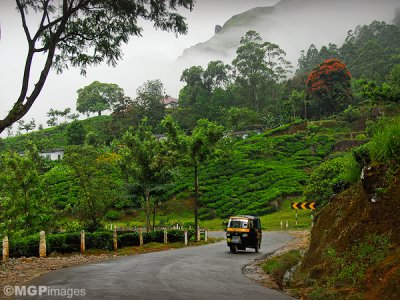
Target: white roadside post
(6, 249)
(115, 239)
(83, 245)
(186, 238)
(198, 234)
(42, 244)
(141, 237)
(165, 236)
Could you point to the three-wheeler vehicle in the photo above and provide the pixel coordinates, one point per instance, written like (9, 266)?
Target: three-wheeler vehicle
(243, 232)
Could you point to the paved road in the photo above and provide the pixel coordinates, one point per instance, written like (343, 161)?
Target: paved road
(206, 272)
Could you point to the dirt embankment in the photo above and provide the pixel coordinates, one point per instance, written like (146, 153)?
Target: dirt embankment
(370, 208)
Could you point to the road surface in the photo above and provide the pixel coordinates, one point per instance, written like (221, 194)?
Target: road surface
(205, 272)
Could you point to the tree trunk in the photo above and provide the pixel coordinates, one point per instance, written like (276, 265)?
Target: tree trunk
(305, 109)
(154, 215)
(99, 113)
(196, 196)
(147, 193)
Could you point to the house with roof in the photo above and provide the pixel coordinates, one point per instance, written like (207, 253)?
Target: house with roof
(53, 154)
(170, 102)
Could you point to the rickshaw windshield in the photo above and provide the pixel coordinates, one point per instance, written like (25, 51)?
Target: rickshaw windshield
(235, 223)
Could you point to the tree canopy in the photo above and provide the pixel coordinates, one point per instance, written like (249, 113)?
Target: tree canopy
(328, 85)
(99, 96)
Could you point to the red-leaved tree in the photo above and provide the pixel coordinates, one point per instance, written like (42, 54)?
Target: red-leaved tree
(329, 88)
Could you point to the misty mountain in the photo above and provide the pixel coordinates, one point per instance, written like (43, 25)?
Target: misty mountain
(292, 24)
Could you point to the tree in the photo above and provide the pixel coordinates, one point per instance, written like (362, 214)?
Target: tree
(64, 113)
(98, 96)
(75, 133)
(329, 88)
(260, 65)
(97, 180)
(149, 101)
(216, 75)
(194, 150)
(239, 118)
(143, 163)
(81, 33)
(53, 117)
(22, 205)
(26, 126)
(394, 81)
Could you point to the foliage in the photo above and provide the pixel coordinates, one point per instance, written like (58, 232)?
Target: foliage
(277, 266)
(24, 246)
(254, 173)
(143, 163)
(98, 181)
(240, 118)
(369, 51)
(98, 96)
(149, 102)
(331, 177)
(328, 87)
(260, 65)
(350, 114)
(61, 187)
(385, 144)
(75, 133)
(112, 215)
(23, 206)
(69, 242)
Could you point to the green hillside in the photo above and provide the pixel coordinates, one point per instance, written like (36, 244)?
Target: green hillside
(55, 137)
(262, 169)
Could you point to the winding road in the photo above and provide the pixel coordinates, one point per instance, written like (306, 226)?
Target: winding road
(205, 272)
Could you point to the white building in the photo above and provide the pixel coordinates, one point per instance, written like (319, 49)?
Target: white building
(53, 154)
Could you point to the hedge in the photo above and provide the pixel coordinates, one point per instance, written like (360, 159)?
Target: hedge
(70, 242)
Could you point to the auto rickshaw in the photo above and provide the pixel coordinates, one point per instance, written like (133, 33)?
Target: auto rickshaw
(243, 232)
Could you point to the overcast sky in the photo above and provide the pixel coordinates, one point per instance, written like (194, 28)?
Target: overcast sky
(149, 57)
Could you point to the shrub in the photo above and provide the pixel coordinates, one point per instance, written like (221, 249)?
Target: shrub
(128, 239)
(332, 177)
(350, 114)
(385, 144)
(112, 215)
(179, 235)
(99, 240)
(70, 242)
(26, 246)
(63, 242)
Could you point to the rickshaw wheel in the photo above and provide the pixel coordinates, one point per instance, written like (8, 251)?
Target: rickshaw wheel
(257, 248)
(233, 249)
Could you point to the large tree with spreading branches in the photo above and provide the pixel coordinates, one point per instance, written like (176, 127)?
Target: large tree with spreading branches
(82, 33)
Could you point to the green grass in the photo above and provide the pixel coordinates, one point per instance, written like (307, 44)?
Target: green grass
(278, 265)
(286, 213)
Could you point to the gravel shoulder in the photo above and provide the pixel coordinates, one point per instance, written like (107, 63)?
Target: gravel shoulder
(254, 271)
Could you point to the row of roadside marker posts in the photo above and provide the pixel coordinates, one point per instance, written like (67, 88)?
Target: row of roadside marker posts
(42, 241)
(302, 205)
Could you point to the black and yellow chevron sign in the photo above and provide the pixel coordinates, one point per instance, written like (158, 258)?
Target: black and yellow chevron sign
(304, 205)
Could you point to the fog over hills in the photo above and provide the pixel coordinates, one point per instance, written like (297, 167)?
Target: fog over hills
(292, 24)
